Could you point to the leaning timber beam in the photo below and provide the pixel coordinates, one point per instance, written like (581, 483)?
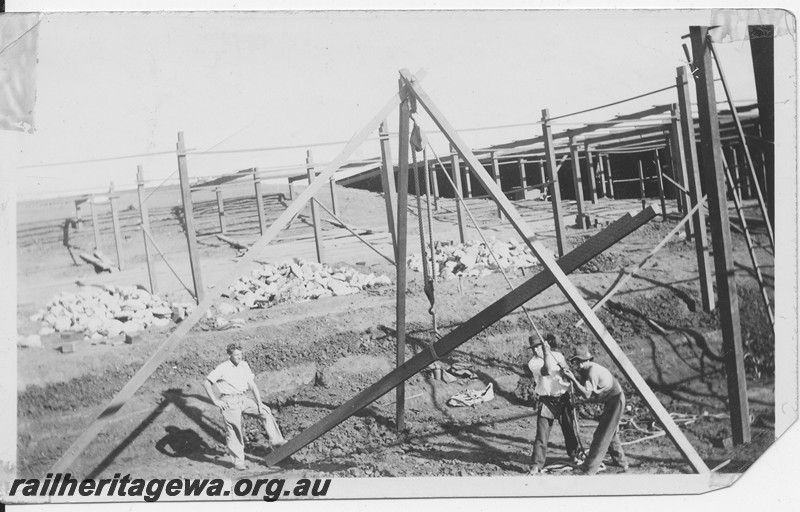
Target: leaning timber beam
(466, 331)
(163, 351)
(569, 290)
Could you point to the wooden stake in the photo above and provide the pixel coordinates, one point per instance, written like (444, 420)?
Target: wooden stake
(188, 216)
(459, 191)
(112, 199)
(695, 190)
(565, 285)
(95, 224)
(590, 170)
(555, 190)
(580, 221)
(523, 180)
(151, 264)
(402, 245)
(262, 220)
(315, 218)
(678, 165)
(602, 171)
(641, 184)
(496, 174)
(721, 237)
(610, 177)
(660, 184)
(387, 182)
(221, 210)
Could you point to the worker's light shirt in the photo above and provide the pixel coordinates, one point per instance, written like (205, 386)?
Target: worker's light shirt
(549, 385)
(231, 379)
(600, 382)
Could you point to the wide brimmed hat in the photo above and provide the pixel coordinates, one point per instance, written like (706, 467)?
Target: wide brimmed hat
(581, 353)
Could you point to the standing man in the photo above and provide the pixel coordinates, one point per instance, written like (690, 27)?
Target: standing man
(553, 394)
(597, 383)
(233, 378)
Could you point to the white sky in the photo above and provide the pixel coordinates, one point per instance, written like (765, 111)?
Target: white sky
(116, 84)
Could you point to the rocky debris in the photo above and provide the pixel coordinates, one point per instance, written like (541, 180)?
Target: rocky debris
(298, 281)
(99, 313)
(475, 258)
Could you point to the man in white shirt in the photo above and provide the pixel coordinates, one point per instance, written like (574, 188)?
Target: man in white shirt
(599, 384)
(553, 394)
(233, 378)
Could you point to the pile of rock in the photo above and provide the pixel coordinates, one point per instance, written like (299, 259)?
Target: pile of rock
(104, 312)
(475, 259)
(298, 281)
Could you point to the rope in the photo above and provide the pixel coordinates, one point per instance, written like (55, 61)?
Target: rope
(429, 291)
(485, 242)
(612, 104)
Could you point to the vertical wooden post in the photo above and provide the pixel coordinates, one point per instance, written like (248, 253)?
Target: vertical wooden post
(291, 189)
(112, 199)
(678, 168)
(459, 192)
(542, 179)
(220, 210)
(402, 235)
(434, 186)
(315, 217)
(762, 48)
(590, 170)
(737, 180)
(334, 200)
(467, 182)
(695, 190)
(552, 176)
(95, 224)
(641, 185)
(188, 217)
(151, 267)
(496, 176)
(601, 169)
(387, 182)
(523, 180)
(580, 219)
(660, 184)
(427, 171)
(262, 221)
(610, 177)
(721, 238)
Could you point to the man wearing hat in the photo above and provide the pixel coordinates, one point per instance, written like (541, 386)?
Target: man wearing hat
(553, 394)
(597, 383)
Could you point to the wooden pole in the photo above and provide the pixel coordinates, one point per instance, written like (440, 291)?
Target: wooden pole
(552, 177)
(112, 199)
(188, 217)
(402, 246)
(678, 168)
(580, 219)
(496, 175)
(660, 184)
(459, 192)
(695, 190)
(610, 176)
(569, 290)
(387, 182)
(523, 180)
(434, 184)
(427, 169)
(467, 183)
(334, 200)
(762, 48)
(262, 221)
(590, 170)
(721, 237)
(737, 184)
(95, 224)
(220, 210)
(315, 218)
(602, 171)
(641, 185)
(151, 264)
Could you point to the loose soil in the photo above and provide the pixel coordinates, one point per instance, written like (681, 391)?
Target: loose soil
(170, 428)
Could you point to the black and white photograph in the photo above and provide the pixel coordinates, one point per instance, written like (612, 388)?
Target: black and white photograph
(288, 255)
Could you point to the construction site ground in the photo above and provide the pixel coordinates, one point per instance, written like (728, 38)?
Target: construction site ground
(327, 350)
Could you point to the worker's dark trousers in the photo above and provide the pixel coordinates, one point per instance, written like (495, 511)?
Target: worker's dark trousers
(606, 437)
(544, 424)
